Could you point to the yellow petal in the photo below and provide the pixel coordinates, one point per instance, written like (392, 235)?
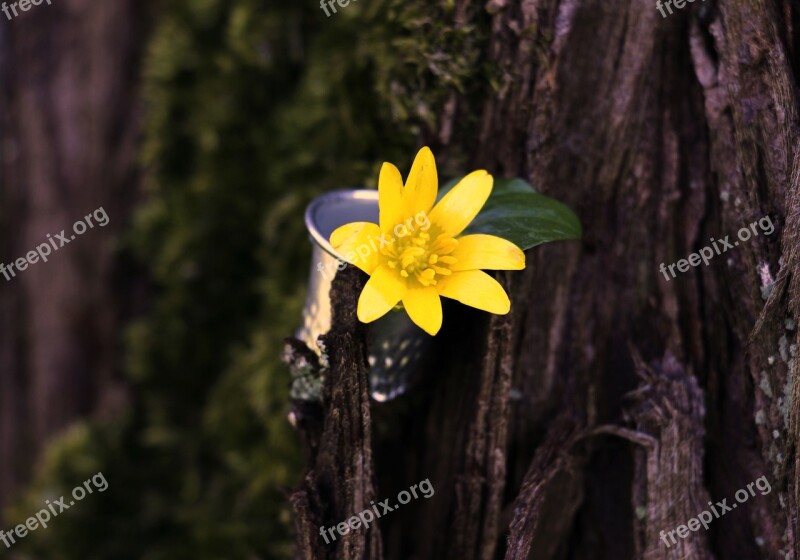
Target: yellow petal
(422, 184)
(383, 291)
(460, 206)
(358, 244)
(476, 289)
(487, 252)
(424, 307)
(390, 197)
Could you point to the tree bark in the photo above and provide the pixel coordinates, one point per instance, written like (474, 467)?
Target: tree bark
(613, 403)
(339, 483)
(70, 132)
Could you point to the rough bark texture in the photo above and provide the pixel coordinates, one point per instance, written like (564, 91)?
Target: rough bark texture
(339, 483)
(668, 412)
(662, 133)
(69, 146)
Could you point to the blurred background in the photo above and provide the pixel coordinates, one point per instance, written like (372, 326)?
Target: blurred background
(150, 349)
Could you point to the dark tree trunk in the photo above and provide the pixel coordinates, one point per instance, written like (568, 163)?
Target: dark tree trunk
(612, 403)
(69, 129)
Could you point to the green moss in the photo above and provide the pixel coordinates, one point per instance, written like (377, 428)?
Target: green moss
(253, 109)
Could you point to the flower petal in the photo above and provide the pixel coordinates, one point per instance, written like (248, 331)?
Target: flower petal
(355, 241)
(422, 184)
(487, 252)
(460, 206)
(476, 289)
(390, 197)
(424, 307)
(383, 291)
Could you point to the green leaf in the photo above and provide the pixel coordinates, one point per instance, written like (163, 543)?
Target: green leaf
(506, 186)
(516, 212)
(526, 219)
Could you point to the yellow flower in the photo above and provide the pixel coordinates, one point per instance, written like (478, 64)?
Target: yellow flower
(417, 252)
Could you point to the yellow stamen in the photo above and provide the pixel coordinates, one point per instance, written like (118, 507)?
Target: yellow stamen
(420, 257)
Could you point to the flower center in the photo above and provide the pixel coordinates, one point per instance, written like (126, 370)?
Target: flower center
(420, 255)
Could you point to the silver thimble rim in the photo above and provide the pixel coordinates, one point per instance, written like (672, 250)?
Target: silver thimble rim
(326, 200)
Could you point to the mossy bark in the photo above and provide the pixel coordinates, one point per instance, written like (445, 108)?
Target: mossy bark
(614, 402)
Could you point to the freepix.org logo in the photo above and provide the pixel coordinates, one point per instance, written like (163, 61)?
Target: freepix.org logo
(366, 517)
(24, 5)
(419, 223)
(54, 508)
(44, 250)
(326, 4)
(704, 518)
(720, 246)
